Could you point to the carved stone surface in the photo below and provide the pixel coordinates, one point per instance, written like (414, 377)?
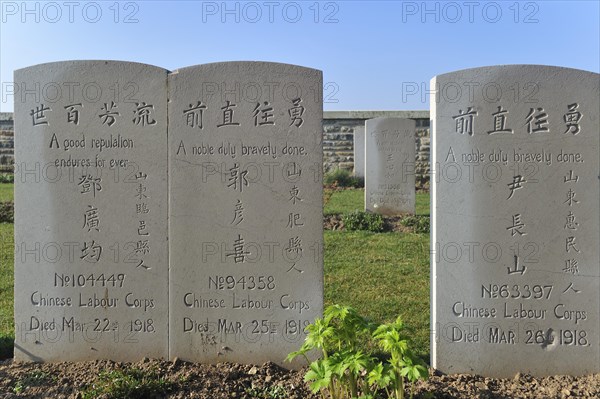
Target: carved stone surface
(91, 212)
(390, 166)
(245, 210)
(359, 151)
(515, 234)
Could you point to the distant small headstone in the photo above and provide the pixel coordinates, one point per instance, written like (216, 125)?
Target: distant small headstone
(515, 234)
(245, 153)
(91, 273)
(359, 151)
(390, 166)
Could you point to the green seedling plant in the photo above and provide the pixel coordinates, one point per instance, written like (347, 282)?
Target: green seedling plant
(345, 371)
(337, 336)
(131, 383)
(403, 363)
(273, 392)
(359, 220)
(419, 223)
(32, 379)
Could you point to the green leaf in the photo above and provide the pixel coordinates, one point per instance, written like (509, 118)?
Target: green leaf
(381, 375)
(319, 333)
(358, 362)
(319, 375)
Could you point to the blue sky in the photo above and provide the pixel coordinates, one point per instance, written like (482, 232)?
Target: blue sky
(375, 55)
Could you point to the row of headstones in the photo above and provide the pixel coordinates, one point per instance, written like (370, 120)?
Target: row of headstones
(515, 272)
(167, 214)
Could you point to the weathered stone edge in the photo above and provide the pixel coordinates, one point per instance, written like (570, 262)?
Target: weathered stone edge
(375, 114)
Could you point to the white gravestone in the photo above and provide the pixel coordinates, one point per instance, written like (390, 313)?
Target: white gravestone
(390, 166)
(245, 153)
(515, 233)
(91, 273)
(359, 151)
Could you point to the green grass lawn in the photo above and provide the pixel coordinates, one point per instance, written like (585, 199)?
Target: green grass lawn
(354, 199)
(344, 201)
(382, 275)
(6, 192)
(6, 289)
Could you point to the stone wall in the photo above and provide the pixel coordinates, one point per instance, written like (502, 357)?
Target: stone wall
(338, 139)
(6, 140)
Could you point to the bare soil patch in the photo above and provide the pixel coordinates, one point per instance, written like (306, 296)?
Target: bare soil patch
(269, 381)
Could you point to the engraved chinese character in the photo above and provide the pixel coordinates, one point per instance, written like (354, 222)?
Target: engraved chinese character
(571, 198)
(294, 220)
(571, 178)
(108, 117)
(92, 252)
(262, 116)
(91, 219)
(537, 121)
(294, 192)
(389, 161)
(464, 121)
(571, 223)
(90, 184)
(517, 269)
(296, 113)
(140, 192)
(73, 113)
(389, 166)
(238, 215)
(141, 208)
(38, 116)
(143, 228)
(294, 245)
(570, 244)
(237, 178)
(142, 247)
(571, 266)
(572, 288)
(228, 115)
(293, 267)
(239, 254)
(142, 114)
(194, 115)
(293, 171)
(517, 226)
(142, 265)
(572, 119)
(516, 184)
(140, 176)
(500, 122)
